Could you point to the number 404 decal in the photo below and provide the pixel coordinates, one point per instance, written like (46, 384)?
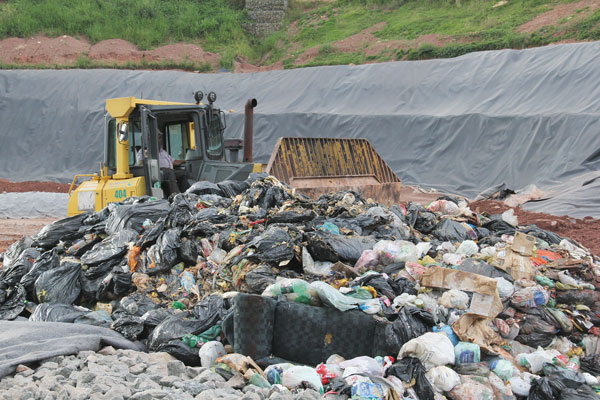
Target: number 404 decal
(120, 193)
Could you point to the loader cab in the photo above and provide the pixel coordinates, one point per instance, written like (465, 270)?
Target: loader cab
(193, 133)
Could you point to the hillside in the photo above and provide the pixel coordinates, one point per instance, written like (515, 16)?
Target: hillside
(207, 36)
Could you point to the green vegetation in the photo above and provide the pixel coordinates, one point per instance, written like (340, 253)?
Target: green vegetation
(85, 63)
(458, 26)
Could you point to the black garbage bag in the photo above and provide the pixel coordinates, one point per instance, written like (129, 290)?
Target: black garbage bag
(45, 262)
(154, 317)
(591, 364)
(188, 251)
(59, 285)
(410, 370)
(498, 226)
(232, 188)
(545, 389)
(536, 324)
(411, 323)
(274, 197)
(483, 268)
(183, 208)
(150, 235)
(325, 246)
(204, 187)
(339, 386)
(449, 230)
(173, 328)
(568, 377)
(292, 217)
(14, 272)
(181, 351)
(83, 245)
(210, 310)
(276, 244)
(129, 326)
(587, 297)
(535, 339)
(135, 304)
(97, 217)
(162, 255)
(56, 312)
(479, 369)
(132, 216)
(92, 278)
(115, 285)
(549, 237)
(113, 246)
(66, 229)
(349, 224)
(259, 278)
(380, 284)
(96, 318)
(426, 222)
(15, 250)
(12, 300)
(403, 285)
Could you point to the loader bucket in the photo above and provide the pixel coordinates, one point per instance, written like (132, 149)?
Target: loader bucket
(316, 166)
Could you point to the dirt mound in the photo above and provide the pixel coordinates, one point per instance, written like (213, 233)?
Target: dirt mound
(33, 186)
(65, 50)
(584, 231)
(556, 15)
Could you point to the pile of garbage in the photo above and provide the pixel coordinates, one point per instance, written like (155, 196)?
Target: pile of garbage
(473, 306)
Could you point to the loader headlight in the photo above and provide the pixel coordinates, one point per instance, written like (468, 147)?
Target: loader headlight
(198, 96)
(212, 97)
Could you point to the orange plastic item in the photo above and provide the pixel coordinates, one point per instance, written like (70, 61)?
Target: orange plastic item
(132, 257)
(544, 257)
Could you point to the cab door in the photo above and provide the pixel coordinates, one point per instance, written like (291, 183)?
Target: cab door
(150, 153)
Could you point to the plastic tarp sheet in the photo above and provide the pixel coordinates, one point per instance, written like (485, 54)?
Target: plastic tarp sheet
(25, 342)
(33, 205)
(461, 125)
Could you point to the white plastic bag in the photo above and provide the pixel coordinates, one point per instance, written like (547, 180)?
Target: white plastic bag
(297, 376)
(445, 207)
(443, 378)
(519, 386)
(433, 349)
(535, 361)
(509, 217)
(467, 248)
(395, 251)
(320, 268)
(363, 365)
(505, 288)
(209, 352)
(423, 248)
(454, 299)
(368, 258)
(404, 299)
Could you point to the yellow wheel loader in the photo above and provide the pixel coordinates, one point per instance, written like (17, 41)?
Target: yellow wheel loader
(194, 134)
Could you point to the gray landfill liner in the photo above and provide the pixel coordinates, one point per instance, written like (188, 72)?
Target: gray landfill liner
(460, 125)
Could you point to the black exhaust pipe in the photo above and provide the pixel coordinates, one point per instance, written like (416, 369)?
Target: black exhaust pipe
(248, 129)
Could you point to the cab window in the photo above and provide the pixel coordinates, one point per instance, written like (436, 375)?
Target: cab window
(214, 141)
(111, 144)
(177, 140)
(135, 142)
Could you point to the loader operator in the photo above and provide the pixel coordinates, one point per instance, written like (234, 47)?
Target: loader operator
(176, 179)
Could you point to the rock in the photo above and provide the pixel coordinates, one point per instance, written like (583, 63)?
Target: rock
(278, 389)
(307, 394)
(251, 396)
(261, 392)
(27, 393)
(49, 396)
(168, 380)
(64, 371)
(85, 377)
(193, 372)
(237, 382)
(23, 368)
(100, 388)
(223, 393)
(281, 396)
(161, 357)
(208, 375)
(107, 351)
(142, 384)
(176, 368)
(84, 354)
(148, 395)
(154, 377)
(192, 387)
(51, 365)
(130, 362)
(40, 373)
(138, 368)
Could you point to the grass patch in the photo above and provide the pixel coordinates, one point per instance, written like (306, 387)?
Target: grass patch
(84, 62)
(146, 23)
